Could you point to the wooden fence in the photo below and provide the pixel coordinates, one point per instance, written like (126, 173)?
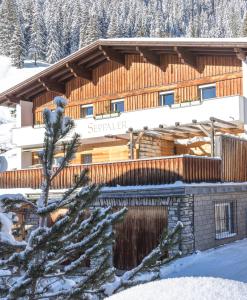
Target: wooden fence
(233, 152)
(135, 172)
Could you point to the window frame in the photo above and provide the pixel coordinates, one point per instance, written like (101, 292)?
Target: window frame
(230, 223)
(117, 101)
(204, 86)
(164, 94)
(56, 160)
(86, 106)
(86, 154)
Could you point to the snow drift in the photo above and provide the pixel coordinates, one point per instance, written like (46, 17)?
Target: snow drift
(186, 288)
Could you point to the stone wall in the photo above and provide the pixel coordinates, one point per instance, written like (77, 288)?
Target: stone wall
(204, 219)
(181, 209)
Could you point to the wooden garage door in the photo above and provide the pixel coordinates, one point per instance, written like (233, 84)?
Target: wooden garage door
(138, 234)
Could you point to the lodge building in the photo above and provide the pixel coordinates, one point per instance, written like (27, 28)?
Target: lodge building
(162, 125)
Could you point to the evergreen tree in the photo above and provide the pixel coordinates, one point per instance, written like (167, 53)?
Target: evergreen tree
(93, 31)
(37, 46)
(17, 50)
(41, 266)
(9, 26)
(28, 17)
(54, 46)
(245, 26)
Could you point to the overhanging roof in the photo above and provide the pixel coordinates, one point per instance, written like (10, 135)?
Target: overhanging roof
(82, 62)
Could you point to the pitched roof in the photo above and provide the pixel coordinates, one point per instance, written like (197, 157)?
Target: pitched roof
(82, 62)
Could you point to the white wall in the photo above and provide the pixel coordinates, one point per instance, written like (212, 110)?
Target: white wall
(26, 160)
(24, 114)
(227, 108)
(10, 160)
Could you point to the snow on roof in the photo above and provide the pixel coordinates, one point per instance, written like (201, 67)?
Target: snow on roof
(178, 39)
(186, 288)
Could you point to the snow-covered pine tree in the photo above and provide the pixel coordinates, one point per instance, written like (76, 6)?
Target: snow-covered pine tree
(55, 50)
(93, 31)
(42, 265)
(244, 29)
(17, 51)
(11, 39)
(37, 44)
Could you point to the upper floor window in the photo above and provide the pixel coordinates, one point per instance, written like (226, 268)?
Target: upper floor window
(117, 105)
(87, 111)
(207, 91)
(167, 98)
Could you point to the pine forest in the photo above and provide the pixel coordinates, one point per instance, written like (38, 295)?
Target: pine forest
(49, 30)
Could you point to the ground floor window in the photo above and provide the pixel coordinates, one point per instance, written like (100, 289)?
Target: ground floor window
(225, 219)
(87, 158)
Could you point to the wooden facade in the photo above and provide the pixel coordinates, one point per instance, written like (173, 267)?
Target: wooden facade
(139, 83)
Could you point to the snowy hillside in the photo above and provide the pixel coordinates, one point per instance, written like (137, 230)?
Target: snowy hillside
(10, 76)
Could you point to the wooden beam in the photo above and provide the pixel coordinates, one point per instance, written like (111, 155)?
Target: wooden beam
(79, 71)
(213, 119)
(240, 54)
(113, 55)
(116, 137)
(52, 86)
(172, 132)
(212, 139)
(13, 99)
(186, 57)
(131, 144)
(149, 56)
(204, 130)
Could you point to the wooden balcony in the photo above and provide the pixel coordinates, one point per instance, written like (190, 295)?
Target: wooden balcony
(163, 170)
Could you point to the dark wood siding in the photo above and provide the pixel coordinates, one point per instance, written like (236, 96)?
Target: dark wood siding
(234, 158)
(138, 234)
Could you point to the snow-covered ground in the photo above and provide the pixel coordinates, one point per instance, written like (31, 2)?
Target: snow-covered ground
(200, 288)
(227, 262)
(216, 274)
(10, 76)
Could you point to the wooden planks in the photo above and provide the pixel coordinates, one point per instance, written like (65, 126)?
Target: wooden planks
(233, 152)
(136, 172)
(139, 84)
(138, 234)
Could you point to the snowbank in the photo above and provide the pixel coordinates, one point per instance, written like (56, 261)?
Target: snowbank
(186, 288)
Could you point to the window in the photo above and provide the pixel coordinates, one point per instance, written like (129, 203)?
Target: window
(87, 111)
(167, 98)
(57, 160)
(86, 158)
(207, 91)
(117, 105)
(224, 220)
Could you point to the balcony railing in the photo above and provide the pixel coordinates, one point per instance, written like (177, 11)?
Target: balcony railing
(163, 170)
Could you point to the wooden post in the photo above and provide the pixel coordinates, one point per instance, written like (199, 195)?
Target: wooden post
(131, 143)
(212, 140)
